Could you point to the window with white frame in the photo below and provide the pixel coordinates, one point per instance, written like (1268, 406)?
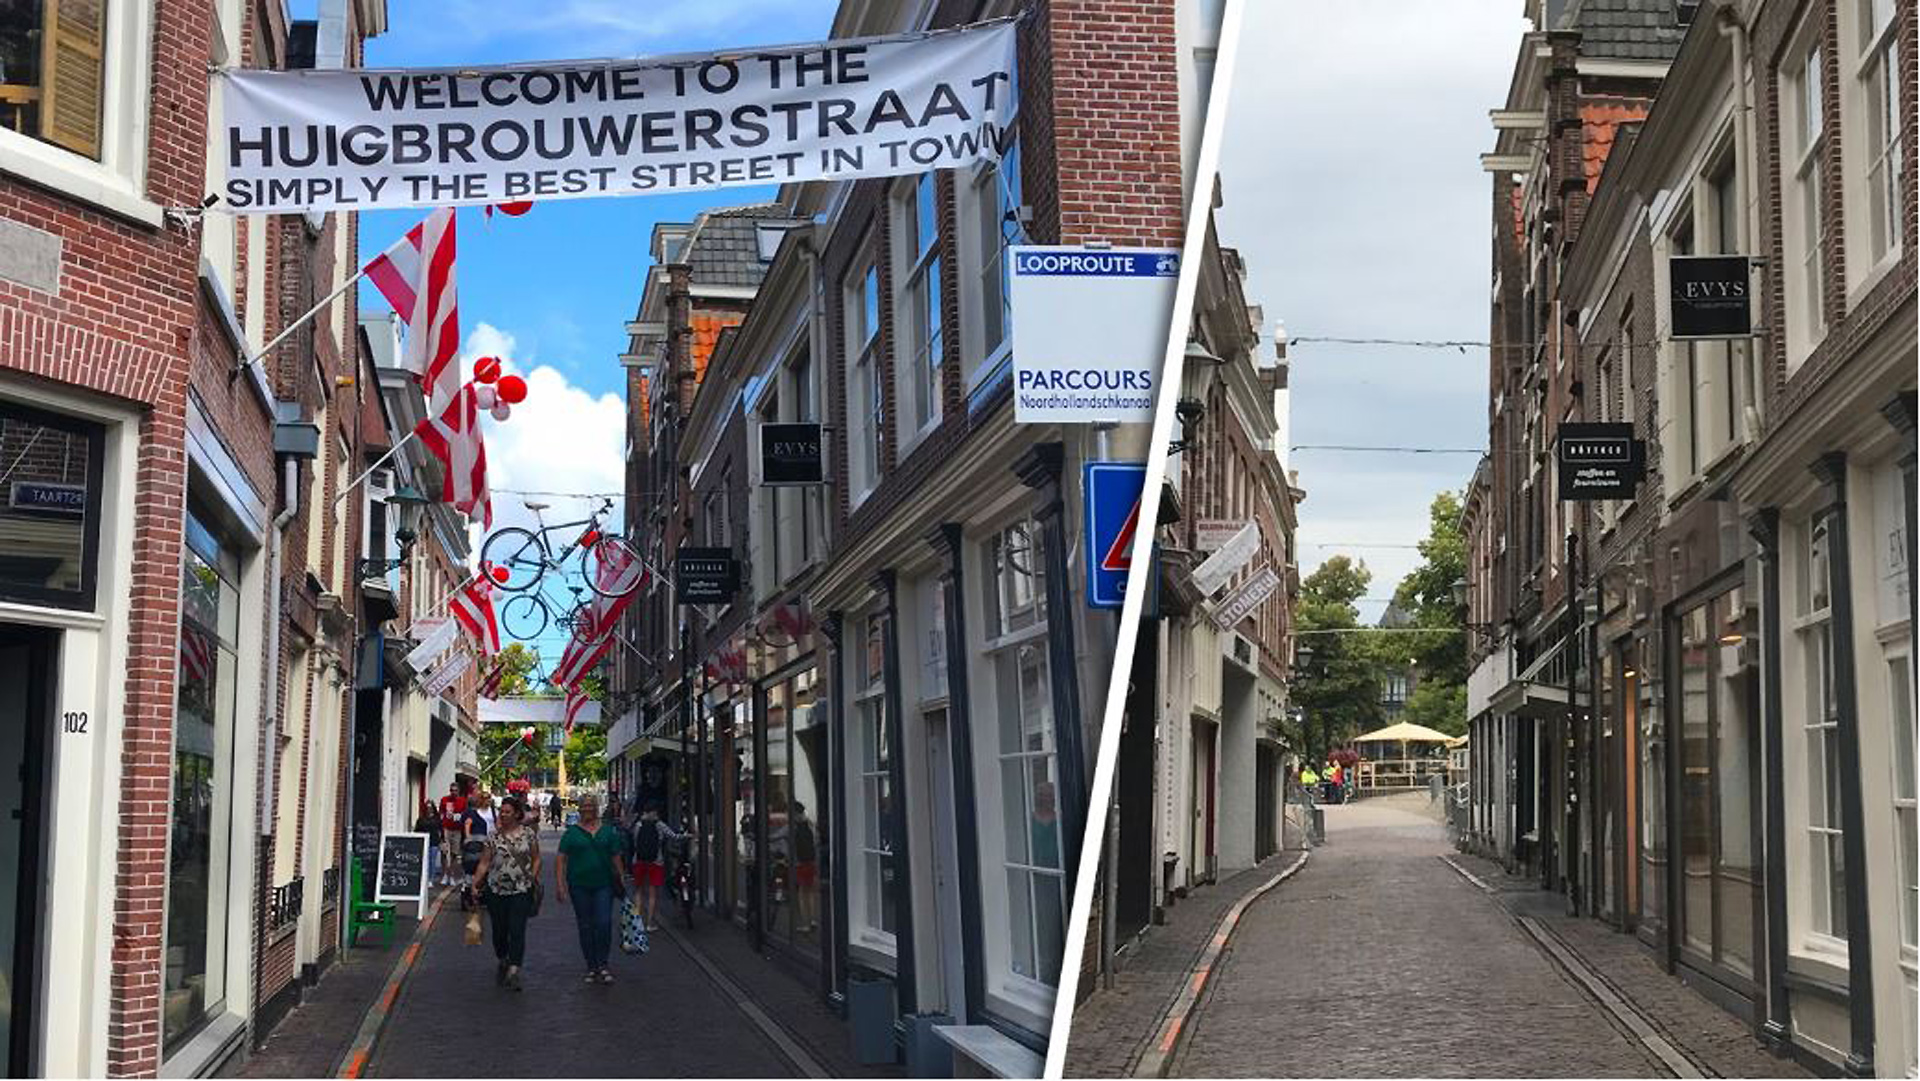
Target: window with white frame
(865, 401)
(1804, 143)
(996, 199)
(875, 897)
(1015, 650)
(1899, 670)
(1876, 93)
(916, 303)
(1892, 618)
(1820, 722)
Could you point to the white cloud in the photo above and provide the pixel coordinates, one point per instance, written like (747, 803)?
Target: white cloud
(561, 439)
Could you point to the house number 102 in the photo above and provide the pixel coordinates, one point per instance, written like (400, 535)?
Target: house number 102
(75, 721)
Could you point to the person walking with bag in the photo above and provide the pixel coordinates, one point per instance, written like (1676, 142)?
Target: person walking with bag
(509, 879)
(593, 864)
(650, 838)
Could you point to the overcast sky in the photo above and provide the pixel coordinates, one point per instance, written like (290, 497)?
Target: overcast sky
(1351, 181)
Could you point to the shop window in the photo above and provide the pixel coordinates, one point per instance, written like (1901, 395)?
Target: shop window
(1718, 762)
(1022, 703)
(916, 305)
(796, 780)
(1653, 794)
(1900, 696)
(50, 481)
(866, 404)
(194, 956)
(1876, 94)
(996, 199)
(1820, 724)
(1806, 227)
(53, 71)
(877, 909)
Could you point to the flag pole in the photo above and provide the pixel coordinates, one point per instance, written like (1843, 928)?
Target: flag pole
(313, 311)
(382, 460)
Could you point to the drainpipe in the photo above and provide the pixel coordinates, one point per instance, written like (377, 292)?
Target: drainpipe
(270, 732)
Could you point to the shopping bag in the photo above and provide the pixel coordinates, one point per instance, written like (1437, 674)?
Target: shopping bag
(633, 930)
(472, 934)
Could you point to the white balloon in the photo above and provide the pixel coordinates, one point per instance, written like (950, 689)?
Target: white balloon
(502, 410)
(484, 396)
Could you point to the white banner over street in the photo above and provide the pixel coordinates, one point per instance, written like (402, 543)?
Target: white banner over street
(366, 139)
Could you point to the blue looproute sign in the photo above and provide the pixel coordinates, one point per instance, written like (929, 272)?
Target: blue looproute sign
(1112, 492)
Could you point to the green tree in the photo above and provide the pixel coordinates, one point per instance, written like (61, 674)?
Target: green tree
(1426, 595)
(1338, 691)
(587, 755)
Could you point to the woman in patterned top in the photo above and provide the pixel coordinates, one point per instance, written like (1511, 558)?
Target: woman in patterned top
(507, 873)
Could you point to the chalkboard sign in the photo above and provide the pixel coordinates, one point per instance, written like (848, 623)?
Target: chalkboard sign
(366, 846)
(403, 868)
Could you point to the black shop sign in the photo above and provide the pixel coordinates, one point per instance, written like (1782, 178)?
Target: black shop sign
(1599, 461)
(705, 576)
(402, 875)
(791, 454)
(1711, 297)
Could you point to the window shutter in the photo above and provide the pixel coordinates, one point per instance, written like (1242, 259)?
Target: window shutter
(74, 74)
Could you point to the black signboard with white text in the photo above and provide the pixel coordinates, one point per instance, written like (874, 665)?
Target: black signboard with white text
(1599, 461)
(791, 454)
(1711, 296)
(705, 576)
(402, 875)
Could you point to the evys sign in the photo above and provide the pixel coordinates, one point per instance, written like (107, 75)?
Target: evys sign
(1599, 461)
(790, 454)
(1089, 332)
(1710, 296)
(705, 576)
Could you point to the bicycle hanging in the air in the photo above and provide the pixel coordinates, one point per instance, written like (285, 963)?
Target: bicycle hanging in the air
(517, 560)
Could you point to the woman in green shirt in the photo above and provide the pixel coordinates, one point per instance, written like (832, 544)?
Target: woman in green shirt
(593, 863)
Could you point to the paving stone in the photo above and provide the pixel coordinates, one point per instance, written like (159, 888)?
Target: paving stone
(663, 1017)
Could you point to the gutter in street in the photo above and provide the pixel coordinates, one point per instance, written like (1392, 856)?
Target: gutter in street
(1158, 1058)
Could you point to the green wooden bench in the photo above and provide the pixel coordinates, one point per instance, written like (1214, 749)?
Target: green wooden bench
(364, 913)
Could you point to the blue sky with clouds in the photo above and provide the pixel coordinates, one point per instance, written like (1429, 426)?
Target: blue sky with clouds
(551, 291)
(1351, 177)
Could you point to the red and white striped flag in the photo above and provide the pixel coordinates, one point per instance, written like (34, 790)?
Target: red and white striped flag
(614, 568)
(472, 606)
(197, 655)
(576, 699)
(454, 437)
(490, 686)
(416, 277)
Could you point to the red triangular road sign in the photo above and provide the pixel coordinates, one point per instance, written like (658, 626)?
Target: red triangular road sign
(1119, 556)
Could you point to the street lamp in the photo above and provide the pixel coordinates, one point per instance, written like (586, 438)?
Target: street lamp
(1195, 374)
(406, 503)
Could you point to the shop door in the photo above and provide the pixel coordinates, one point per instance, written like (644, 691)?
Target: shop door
(26, 717)
(1204, 735)
(946, 867)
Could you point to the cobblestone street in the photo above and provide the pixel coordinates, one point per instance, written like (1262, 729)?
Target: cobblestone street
(1380, 960)
(663, 1017)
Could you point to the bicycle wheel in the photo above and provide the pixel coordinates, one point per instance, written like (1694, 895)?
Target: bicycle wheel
(580, 623)
(521, 553)
(524, 617)
(614, 569)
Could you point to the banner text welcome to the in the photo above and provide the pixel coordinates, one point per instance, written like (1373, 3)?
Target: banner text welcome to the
(357, 140)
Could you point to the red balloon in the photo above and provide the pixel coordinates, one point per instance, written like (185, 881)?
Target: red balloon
(499, 574)
(514, 210)
(512, 389)
(486, 369)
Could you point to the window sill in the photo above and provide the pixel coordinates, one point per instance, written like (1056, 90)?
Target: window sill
(1819, 962)
(875, 950)
(1026, 1004)
(1871, 280)
(70, 174)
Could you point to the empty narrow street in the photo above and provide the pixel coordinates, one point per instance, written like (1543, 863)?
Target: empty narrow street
(1380, 960)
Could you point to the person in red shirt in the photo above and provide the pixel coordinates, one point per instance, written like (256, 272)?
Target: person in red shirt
(453, 807)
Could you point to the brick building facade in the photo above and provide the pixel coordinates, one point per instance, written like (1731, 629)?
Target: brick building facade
(1733, 779)
(181, 611)
(852, 753)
